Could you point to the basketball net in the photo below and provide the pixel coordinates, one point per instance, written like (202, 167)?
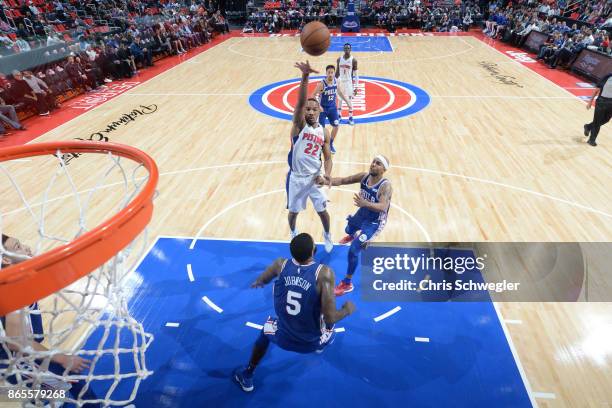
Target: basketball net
(90, 317)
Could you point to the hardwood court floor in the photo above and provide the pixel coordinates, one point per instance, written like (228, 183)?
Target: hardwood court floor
(486, 160)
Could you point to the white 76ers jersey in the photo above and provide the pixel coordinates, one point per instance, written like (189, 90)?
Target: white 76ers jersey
(346, 68)
(305, 156)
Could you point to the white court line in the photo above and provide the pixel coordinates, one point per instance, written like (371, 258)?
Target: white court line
(495, 183)
(190, 273)
(339, 329)
(544, 395)
(510, 321)
(211, 304)
(363, 59)
(230, 207)
(387, 314)
(422, 339)
(254, 325)
(172, 324)
(499, 97)
(284, 162)
(517, 360)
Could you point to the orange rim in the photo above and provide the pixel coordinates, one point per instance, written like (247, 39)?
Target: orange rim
(27, 282)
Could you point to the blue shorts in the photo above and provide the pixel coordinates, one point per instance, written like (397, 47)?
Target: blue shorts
(361, 221)
(331, 113)
(270, 332)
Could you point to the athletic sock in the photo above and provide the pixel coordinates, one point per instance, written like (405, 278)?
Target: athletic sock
(346, 280)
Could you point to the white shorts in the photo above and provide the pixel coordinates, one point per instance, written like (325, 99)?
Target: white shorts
(346, 87)
(299, 189)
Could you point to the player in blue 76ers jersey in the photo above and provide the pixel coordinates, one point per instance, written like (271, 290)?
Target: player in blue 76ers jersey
(304, 302)
(373, 200)
(327, 90)
(309, 145)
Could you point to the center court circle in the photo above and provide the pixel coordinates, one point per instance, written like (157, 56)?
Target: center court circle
(377, 99)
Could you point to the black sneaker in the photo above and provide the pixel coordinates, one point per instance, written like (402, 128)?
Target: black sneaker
(586, 130)
(592, 142)
(243, 379)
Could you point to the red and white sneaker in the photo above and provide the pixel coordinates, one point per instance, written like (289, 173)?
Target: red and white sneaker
(343, 288)
(347, 239)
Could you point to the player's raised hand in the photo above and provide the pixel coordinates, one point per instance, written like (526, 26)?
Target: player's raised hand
(320, 181)
(359, 201)
(328, 181)
(257, 284)
(305, 68)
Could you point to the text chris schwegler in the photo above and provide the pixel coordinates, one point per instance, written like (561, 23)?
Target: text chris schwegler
(422, 263)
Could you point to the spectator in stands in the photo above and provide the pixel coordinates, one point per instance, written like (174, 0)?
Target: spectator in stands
(23, 93)
(219, 23)
(142, 55)
(53, 39)
(564, 54)
(64, 81)
(83, 44)
(40, 89)
(550, 46)
(6, 45)
(248, 27)
(161, 42)
(126, 60)
(8, 115)
(76, 74)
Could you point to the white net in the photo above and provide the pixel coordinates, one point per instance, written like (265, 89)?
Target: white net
(81, 344)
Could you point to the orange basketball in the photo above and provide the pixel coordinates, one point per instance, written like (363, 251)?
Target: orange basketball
(315, 38)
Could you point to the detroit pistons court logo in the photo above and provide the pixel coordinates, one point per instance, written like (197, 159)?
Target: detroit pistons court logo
(377, 99)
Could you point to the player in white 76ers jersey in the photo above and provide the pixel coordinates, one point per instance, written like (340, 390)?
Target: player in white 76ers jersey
(309, 141)
(348, 78)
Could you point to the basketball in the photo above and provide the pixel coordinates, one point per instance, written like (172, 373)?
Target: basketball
(315, 38)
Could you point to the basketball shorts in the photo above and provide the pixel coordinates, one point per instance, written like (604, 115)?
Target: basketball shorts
(368, 228)
(331, 113)
(299, 189)
(346, 87)
(276, 336)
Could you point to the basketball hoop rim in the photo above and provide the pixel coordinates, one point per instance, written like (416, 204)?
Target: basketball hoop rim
(27, 282)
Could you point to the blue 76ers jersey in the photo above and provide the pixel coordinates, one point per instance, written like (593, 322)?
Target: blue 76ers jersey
(297, 303)
(371, 194)
(328, 96)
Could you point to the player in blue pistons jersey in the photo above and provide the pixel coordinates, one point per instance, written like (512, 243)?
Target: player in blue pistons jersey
(373, 200)
(304, 302)
(326, 91)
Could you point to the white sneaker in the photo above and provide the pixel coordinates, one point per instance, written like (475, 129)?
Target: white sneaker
(294, 233)
(329, 245)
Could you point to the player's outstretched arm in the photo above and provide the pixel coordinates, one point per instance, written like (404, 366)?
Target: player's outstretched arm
(15, 329)
(298, 113)
(270, 273)
(325, 283)
(338, 67)
(384, 199)
(340, 181)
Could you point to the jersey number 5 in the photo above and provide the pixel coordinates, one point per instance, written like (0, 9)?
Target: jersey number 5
(311, 149)
(293, 306)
